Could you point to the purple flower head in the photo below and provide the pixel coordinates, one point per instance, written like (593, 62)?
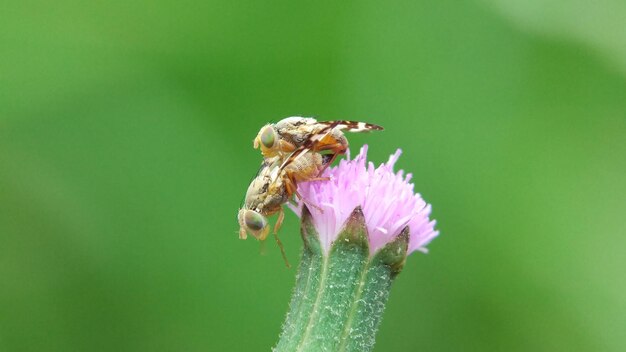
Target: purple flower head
(386, 198)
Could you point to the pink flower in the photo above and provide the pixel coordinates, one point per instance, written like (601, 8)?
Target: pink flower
(386, 198)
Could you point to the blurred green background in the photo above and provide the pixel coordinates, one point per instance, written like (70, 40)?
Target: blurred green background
(126, 146)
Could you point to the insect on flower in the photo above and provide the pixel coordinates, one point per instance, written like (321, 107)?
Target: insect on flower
(296, 149)
(292, 133)
(273, 186)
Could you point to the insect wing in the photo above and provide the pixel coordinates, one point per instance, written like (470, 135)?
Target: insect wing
(353, 126)
(309, 144)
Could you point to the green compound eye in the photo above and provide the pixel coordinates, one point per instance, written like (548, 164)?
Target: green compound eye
(268, 137)
(254, 221)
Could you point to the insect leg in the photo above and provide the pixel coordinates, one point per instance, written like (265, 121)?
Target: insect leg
(285, 146)
(290, 186)
(279, 221)
(282, 250)
(317, 179)
(336, 150)
(281, 217)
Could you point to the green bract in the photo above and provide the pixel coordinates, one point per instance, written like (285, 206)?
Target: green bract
(339, 298)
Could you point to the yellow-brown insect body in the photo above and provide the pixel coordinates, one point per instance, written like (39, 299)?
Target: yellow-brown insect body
(272, 188)
(308, 166)
(266, 192)
(296, 149)
(294, 132)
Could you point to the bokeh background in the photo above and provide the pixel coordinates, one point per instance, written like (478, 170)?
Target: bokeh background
(126, 147)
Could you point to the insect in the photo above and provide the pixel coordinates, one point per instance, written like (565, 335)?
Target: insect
(291, 134)
(293, 151)
(271, 188)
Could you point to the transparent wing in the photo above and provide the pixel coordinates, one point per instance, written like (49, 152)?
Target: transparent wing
(309, 144)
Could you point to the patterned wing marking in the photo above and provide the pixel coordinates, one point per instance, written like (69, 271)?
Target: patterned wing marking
(309, 144)
(353, 126)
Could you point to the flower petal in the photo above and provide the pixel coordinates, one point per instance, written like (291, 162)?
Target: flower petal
(387, 199)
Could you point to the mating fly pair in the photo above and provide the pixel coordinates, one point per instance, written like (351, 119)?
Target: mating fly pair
(296, 149)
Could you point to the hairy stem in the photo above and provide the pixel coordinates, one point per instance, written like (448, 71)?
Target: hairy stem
(340, 296)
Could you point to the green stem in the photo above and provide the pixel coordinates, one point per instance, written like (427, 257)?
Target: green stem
(340, 297)
(347, 329)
